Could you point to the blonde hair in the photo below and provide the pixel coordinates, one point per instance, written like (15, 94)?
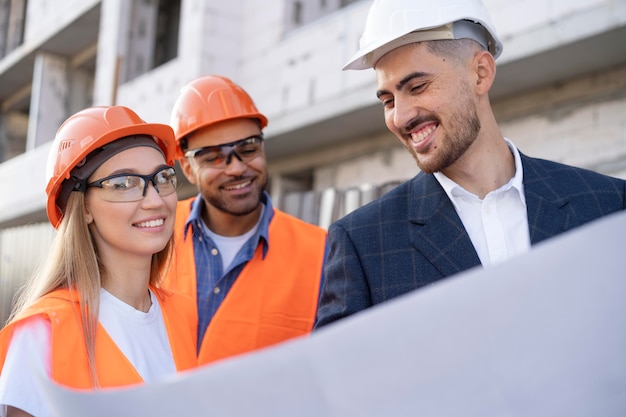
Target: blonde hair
(73, 264)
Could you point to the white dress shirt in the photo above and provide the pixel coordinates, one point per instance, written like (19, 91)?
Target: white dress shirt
(498, 224)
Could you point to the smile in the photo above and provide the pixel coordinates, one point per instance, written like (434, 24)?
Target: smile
(417, 137)
(238, 186)
(151, 223)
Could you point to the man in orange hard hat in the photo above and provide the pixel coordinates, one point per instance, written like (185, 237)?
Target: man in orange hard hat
(478, 200)
(254, 271)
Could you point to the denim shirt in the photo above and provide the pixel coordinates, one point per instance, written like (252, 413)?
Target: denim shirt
(212, 282)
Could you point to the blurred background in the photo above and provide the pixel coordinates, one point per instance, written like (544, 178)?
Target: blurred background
(560, 93)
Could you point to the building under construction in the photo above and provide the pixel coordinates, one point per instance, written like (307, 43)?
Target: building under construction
(560, 93)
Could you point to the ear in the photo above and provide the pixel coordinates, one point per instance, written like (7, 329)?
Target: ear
(187, 170)
(485, 68)
(88, 215)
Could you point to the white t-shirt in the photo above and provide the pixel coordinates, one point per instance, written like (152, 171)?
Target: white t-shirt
(229, 246)
(142, 338)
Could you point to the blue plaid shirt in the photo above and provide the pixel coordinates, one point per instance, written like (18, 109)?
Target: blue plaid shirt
(212, 282)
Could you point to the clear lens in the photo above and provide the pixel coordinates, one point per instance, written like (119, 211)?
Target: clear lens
(219, 156)
(132, 187)
(166, 181)
(122, 188)
(210, 157)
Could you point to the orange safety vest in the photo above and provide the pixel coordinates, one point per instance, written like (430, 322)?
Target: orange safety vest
(69, 354)
(273, 299)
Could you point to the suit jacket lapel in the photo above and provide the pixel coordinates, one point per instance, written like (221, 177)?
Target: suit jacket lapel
(438, 233)
(544, 205)
(436, 230)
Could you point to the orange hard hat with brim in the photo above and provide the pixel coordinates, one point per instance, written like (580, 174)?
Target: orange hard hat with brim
(209, 100)
(87, 131)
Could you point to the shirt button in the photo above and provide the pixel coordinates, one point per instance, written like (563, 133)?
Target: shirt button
(214, 252)
(216, 290)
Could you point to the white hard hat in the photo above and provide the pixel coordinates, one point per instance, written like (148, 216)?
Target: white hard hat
(394, 23)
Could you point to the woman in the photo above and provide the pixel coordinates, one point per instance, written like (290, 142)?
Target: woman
(94, 316)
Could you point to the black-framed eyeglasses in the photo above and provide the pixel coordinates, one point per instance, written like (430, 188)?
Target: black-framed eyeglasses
(220, 156)
(133, 187)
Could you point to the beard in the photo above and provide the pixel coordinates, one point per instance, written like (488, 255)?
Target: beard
(461, 132)
(238, 205)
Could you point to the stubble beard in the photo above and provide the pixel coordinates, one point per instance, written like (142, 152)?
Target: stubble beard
(463, 130)
(237, 206)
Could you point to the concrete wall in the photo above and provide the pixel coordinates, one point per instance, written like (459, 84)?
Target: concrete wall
(560, 94)
(295, 77)
(44, 17)
(580, 122)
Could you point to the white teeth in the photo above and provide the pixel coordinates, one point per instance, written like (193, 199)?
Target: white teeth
(151, 223)
(238, 186)
(418, 137)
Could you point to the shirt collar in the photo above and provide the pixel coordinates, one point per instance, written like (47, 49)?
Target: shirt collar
(195, 220)
(451, 187)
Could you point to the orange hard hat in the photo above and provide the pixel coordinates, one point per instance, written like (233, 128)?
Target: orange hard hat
(89, 130)
(208, 100)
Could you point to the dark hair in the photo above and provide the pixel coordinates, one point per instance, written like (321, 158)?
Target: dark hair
(454, 49)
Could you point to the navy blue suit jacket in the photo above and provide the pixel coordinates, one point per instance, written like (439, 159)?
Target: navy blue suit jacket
(412, 236)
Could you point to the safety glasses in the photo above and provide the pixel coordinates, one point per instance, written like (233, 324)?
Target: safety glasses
(219, 156)
(121, 188)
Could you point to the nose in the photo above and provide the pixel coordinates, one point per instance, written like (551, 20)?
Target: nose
(403, 112)
(231, 155)
(234, 164)
(151, 196)
(147, 185)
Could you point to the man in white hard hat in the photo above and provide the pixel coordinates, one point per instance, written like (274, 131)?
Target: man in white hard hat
(477, 200)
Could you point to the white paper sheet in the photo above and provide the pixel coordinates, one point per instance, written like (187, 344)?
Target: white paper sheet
(541, 335)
